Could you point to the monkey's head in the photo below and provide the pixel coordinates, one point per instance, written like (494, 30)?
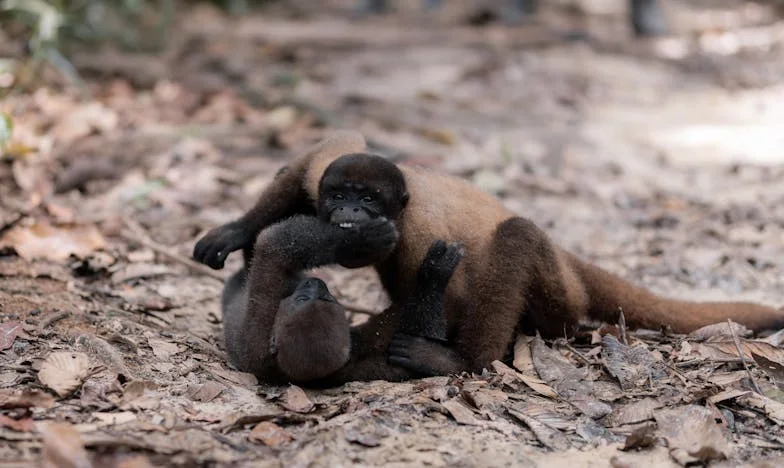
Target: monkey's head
(359, 187)
(311, 333)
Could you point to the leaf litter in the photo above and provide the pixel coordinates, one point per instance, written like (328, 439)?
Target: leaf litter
(178, 144)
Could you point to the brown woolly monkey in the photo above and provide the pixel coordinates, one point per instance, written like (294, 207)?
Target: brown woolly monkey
(283, 326)
(511, 278)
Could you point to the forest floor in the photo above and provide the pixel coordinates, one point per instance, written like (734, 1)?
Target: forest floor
(660, 160)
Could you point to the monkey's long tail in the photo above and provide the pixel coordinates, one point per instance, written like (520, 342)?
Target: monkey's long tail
(609, 294)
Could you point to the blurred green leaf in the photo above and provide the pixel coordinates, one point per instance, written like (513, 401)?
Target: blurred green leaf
(6, 129)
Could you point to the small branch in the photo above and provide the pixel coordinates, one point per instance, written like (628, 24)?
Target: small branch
(52, 318)
(135, 233)
(622, 326)
(743, 358)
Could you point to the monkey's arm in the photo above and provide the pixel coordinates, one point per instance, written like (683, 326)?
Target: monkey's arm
(282, 252)
(284, 197)
(293, 191)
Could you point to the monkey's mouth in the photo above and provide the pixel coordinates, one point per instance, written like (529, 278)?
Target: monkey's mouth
(347, 225)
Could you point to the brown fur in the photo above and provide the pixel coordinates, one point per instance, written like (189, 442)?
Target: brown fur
(512, 275)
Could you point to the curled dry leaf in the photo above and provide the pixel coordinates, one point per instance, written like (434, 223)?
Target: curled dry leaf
(64, 372)
(296, 400)
(692, 434)
(42, 240)
(720, 329)
(25, 398)
(270, 434)
(19, 425)
(62, 447)
(8, 333)
(461, 412)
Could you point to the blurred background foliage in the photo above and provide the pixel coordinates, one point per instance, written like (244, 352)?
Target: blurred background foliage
(38, 34)
(49, 28)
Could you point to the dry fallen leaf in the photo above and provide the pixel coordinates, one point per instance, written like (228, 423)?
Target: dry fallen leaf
(8, 333)
(461, 412)
(522, 355)
(42, 240)
(296, 400)
(726, 349)
(720, 329)
(25, 398)
(62, 447)
(692, 434)
(64, 372)
(163, 349)
(206, 392)
(636, 412)
(270, 434)
(19, 425)
(113, 419)
(633, 366)
(549, 437)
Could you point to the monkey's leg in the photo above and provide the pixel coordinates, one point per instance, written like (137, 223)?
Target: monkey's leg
(522, 273)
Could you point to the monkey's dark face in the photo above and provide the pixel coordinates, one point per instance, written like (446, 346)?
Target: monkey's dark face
(356, 188)
(311, 333)
(307, 293)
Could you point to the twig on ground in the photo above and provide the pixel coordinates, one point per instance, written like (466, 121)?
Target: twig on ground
(52, 319)
(135, 233)
(743, 358)
(622, 327)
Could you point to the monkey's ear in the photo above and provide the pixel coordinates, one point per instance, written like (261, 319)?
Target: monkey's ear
(404, 200)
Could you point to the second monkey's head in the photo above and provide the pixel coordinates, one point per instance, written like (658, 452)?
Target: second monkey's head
(358, 187)
(311, 333)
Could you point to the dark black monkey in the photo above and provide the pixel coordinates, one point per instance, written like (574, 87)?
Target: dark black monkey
(282, 326)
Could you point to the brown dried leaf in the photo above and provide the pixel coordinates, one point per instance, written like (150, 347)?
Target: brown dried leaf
(773, 369)
(25, 398)
(633, 366)
(19, 425)
(270, 434)
(772, 408)
(692, 434)
(522, 355)
(461, 412)
(636, 412)
(63, 447)
(206, 392)
(42, 240)
(726, 349)
(549, 437)
(235, 377)
(295, 399)
(720, 329)
(8, 333)
(642, 437)
(64, 372)
(535, 383)
(163, 349)
(113, 419)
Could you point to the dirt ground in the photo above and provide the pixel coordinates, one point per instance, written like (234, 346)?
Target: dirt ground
(660, 160)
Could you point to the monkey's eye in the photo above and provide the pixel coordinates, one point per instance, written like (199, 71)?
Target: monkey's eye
(301, 299)
(367, 198)
(338, 196)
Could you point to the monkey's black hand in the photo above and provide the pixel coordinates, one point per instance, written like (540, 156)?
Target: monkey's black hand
(439, 264)
(366, 243)
(213, 249)
(422, 355)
